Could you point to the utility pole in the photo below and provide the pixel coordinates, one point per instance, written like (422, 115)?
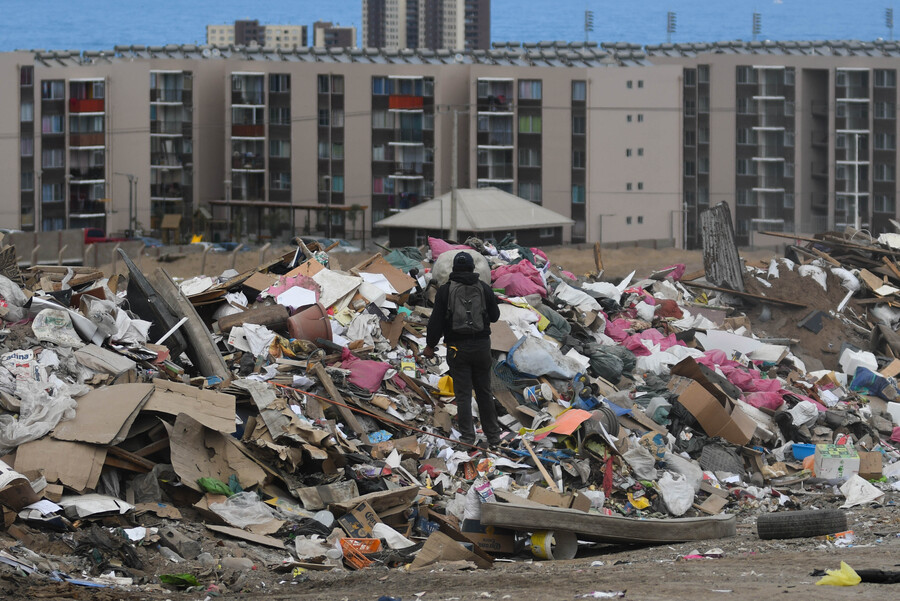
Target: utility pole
(132, 185)
(671, 26)
(889, 21)
(454, 174)
(757, 25)
(588, 24)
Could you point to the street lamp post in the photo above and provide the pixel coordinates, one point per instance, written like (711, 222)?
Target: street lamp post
(132, 188)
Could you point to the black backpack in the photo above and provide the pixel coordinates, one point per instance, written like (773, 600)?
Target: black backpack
(466, 308)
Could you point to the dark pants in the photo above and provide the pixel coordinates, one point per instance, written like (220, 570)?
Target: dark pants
(470, 367)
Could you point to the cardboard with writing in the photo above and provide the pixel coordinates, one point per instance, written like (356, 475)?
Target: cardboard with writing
(358, 522)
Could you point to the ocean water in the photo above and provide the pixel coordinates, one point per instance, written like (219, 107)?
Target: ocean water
(101, 24)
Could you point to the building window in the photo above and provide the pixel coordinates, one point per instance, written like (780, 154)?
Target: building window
(640, 219)
(690, 169)
(279, 149)
(840, 141)
(529, 124)
(789, 76)
(281, 180)
(324, 150)
(26, 112)
(640, 152)
(703, 135)
(52, 158)
(703, 195)
(380, 86)
(640, 83)
(690, 138)
(690, 107)
(788, 170)
(746, 136)
(885, 78)
(579, 91)
(279, 82)
(690, 78)
(744, 197)
(704, 104)
(628, 186)
(323, 117)
(884, 172)
(628, 118)
(746, 106)
(884, 204)
(337, 84)
(789, 139)
(578, 194)
(337, 184)
(27, 146)
(640, 185)
(52, 193)
(788, 201)
(579, 125)
(530, 191)
(382, 120)
(279, 115)
(746, 167)
(840, 172)
(746, 75)
(640, 117)
(529, 157)
(628, 84)
(27, 181)
(703, 165)
(26, 76)
(689, 198)
(53, 90)
(530, 89)
(628, 220)
(545, 232)
(885, 141)
(325, 83)
(840, 110)
(337, 151)
(788, 108)
(703, 73)
(885, 110)
(579, 159)
(628, 152)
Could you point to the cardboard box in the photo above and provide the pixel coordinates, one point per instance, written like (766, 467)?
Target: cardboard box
(835, 461)
(571, 500)
(492, 539)
(717, 415)
(358, 522)
(870, 464)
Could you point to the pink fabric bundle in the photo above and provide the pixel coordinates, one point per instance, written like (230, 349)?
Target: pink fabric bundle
(520, 279)
(438, 246)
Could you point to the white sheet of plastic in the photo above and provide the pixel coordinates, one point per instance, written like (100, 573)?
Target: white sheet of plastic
(576, 298)
(540, 357)
(335, 286)
(39, 412)
(677, 494)
(243, 509)
(858, 491)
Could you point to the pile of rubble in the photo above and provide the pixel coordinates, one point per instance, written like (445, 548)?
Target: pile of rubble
(153, 431)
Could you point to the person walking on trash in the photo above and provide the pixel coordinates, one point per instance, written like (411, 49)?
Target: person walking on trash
(464, 309)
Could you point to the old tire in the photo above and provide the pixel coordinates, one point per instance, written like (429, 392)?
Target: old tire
(801, 524)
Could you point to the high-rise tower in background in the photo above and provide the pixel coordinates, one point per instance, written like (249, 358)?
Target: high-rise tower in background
(453, 24)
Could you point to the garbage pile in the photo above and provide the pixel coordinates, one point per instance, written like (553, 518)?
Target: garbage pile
(153, 430)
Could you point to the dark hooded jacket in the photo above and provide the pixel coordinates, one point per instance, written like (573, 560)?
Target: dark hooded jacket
(439, 325)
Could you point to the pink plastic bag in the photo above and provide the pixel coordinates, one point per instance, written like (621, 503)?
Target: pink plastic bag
(765, 400)
(438, 246)
(364, 373)
(520, 279)
(616, 329)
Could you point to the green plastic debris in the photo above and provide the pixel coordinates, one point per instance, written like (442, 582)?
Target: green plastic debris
(179, 580)
(215, 486)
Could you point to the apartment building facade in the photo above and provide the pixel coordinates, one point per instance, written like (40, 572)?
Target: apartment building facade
(796, 136)
(251, 143)
(328, 35)
(431, 24)
(252, 33)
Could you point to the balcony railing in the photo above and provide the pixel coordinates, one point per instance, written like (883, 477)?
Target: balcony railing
(489, 138)
(406, 134)
(249, 97)
(98, 139)
(495, 172)
(166, 127)
(87, 105)
(408, 168)
(248, 131)
(82, 206)
(160, 159)
(166, 95)
(170, 191)
(398, 101)
(87, 173)
(248, 162)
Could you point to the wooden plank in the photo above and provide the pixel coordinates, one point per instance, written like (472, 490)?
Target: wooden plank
(335, 396)
(131, 457)
(153, 447)
(826, 256)
(833, 242)
(509, 403)
(604, 528)
(891, 266)
(777, 301)
(720, 256)
(550, 481)
(201, 348)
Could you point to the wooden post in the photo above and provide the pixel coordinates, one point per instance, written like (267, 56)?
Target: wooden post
(34, 252)
(59, 257)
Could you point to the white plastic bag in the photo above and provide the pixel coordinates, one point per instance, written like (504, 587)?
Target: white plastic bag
(678, 495)
(848, 280)
(540, 357)
(39, 411)
(804, 413)
(52, 325)
(243, 509)
(15, 299)
(686, 467)
(814, 272)
(641, 462)
(859, 492)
